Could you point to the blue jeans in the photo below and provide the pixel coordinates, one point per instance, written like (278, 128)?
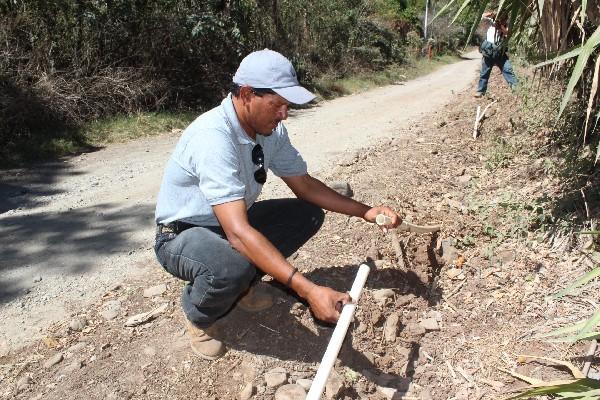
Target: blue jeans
(487, 63)
(217, 274)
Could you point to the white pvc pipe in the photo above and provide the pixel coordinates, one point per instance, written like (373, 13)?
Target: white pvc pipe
(337, 338)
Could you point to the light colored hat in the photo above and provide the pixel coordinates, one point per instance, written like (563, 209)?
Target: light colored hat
(267, 69)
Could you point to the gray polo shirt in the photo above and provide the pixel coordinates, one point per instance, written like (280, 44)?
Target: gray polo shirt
(212, 164)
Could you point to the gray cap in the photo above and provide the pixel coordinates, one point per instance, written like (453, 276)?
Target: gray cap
(267, 69)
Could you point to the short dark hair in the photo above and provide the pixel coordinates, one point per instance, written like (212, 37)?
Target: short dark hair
(235, 90)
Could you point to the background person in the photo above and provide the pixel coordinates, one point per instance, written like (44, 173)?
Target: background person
(494, 52)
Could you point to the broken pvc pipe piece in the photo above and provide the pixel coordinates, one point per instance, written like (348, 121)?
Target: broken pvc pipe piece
(339, 333)
(383, 220)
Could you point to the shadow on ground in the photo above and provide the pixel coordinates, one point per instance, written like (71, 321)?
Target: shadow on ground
(69, 242)
(286, 334)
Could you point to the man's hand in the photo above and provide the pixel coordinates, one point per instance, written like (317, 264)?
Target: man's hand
(373, 212)
(323, 302)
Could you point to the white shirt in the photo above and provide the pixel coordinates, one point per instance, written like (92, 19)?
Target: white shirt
(212, 164)
(492, 34)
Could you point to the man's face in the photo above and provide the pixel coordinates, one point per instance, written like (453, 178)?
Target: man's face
(266, 112)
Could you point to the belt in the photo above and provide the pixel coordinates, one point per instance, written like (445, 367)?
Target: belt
(173, 227)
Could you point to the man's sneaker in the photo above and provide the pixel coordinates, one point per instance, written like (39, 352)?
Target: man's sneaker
(203, 343)
(478, 94)
(256, 299)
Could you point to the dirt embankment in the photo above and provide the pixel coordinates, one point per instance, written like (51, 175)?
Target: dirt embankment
(437, 321)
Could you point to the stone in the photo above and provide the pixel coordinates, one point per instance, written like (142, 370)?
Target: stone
(342, 188)
(24, 382)
(430, 324)
(454, 273)
(142, 318)
(249, 371)
(349, 159)
(449, 252)
(370, 356)
(426, 394)
(380, 295)
(77, 324)
(247, 392)
(111, 310)
(435, 315)
(376, 315)
(387, 392)
(37, 279)
(506, 256)
(155, 290)
(290, 392)
(304, 383)
(415, 329)
(74, 366)
(404, 300)
(390, 330)
(403, 353)
(297, 309)
(463, 180)
(334, 385)
(373, 253)
(77, 347)
(55, 359)
(149, 351)
(4, 348)
(276, 377)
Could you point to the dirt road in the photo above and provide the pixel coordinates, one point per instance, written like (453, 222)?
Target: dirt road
(72, 229)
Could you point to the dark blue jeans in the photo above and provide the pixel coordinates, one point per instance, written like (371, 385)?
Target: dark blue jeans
(217, 274)
(487, 63)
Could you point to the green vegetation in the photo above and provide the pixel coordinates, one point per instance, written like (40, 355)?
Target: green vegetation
(120, 129)
(66, 63)
(328, 86)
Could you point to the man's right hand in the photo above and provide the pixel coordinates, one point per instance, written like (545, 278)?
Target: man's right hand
(323, 302)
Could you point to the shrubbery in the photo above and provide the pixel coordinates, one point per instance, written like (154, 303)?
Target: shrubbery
(65, 62)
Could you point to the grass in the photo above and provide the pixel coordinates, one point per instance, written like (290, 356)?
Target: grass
(124, 128)
(330, 86)
(96, 134)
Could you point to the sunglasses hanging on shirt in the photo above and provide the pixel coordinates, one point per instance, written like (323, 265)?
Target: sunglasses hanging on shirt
(258, 158)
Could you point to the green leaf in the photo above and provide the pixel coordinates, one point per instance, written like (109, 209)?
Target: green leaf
(460, 10)
(590, 324)
(500, 7)
(580, 389)
(573, 339)
(476, 23)
(581, 281)
(443, 10)
(561, 331)
(565, 56)
(583, 11)
(582, 59)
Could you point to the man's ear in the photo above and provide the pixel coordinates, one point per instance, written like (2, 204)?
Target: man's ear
(246, 93)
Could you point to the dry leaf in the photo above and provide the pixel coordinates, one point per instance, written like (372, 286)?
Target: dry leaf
(50, 342)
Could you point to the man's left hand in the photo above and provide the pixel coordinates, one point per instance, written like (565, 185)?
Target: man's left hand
(374, 211)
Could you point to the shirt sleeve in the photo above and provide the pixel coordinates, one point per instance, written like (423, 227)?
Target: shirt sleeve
(216, 164)
(286, 160)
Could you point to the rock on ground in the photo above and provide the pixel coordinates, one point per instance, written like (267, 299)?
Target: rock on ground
(290, 392)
